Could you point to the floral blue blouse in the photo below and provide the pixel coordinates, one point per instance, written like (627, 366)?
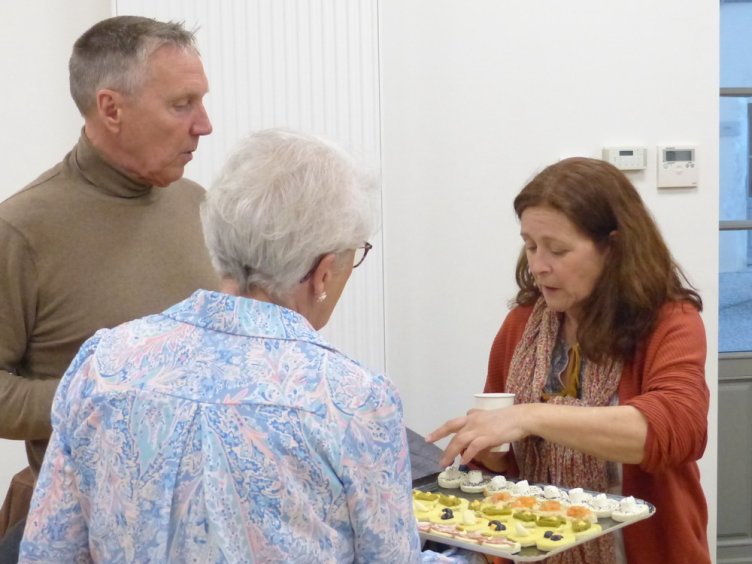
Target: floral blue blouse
(222, 430)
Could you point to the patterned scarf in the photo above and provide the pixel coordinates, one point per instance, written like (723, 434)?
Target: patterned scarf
(548, 463)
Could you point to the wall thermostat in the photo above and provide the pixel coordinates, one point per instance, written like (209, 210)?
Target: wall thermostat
(677, 167)
(627, 158)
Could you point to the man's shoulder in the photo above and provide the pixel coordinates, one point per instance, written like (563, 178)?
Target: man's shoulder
(187, 187)
(31, 204)
(189, 183)
(37, 187)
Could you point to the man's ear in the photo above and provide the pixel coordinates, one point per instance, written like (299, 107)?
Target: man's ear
(109, 108)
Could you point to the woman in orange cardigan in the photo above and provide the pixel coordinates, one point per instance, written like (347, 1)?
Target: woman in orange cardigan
(605, 351)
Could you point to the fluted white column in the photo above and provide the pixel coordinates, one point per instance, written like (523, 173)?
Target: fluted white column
(304, 64)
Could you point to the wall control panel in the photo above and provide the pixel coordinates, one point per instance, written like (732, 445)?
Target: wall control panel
(627, 158)
(677, 167)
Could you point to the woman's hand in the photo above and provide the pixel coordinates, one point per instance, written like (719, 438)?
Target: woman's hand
(479, 431)
(615, 433)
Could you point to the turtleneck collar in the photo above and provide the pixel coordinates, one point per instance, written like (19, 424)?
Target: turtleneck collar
(86, 161)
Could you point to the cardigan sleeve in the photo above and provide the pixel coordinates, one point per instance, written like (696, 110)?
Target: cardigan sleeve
(500, 358)
(667, 380)
(673, 394)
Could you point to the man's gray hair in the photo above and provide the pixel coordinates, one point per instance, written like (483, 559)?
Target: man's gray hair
(282, 201)
(114, 53)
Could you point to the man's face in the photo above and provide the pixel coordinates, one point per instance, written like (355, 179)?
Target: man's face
(162, 121)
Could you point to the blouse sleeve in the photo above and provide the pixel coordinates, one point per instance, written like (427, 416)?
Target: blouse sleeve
(376, 476)
(56, 529)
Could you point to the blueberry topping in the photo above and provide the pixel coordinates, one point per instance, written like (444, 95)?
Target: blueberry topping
(447, 513)
(556, 537)
(497, 525)
(548, 534)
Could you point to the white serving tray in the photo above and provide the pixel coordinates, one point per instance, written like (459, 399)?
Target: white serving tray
(530, 553)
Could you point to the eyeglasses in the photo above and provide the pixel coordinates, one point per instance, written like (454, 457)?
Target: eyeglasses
(361, 253)
(360, 256)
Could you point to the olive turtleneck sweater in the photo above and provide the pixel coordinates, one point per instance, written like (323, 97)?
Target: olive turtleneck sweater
(84, 247)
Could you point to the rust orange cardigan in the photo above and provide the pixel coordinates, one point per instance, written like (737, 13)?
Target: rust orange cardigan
(666, 383)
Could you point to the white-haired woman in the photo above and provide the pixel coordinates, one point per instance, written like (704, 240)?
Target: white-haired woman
(226, 428)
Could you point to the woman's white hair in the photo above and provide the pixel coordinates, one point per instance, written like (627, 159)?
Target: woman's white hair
(282, 201)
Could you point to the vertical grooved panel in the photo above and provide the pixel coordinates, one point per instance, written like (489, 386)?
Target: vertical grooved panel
(309, 65)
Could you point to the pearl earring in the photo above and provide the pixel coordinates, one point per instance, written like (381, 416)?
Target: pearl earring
(321, 297)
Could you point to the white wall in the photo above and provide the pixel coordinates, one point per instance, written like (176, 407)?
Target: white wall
(40, 121)
(476, 97)
(311, 66)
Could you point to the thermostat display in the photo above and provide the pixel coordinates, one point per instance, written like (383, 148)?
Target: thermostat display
(626, 158)
(673, 155)
(677, 167)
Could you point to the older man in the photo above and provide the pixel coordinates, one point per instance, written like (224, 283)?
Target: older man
(110, 233)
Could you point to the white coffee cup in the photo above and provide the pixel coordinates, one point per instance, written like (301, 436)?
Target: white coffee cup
(495, 400)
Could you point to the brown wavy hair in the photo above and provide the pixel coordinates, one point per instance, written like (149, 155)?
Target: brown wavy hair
(639, 275)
